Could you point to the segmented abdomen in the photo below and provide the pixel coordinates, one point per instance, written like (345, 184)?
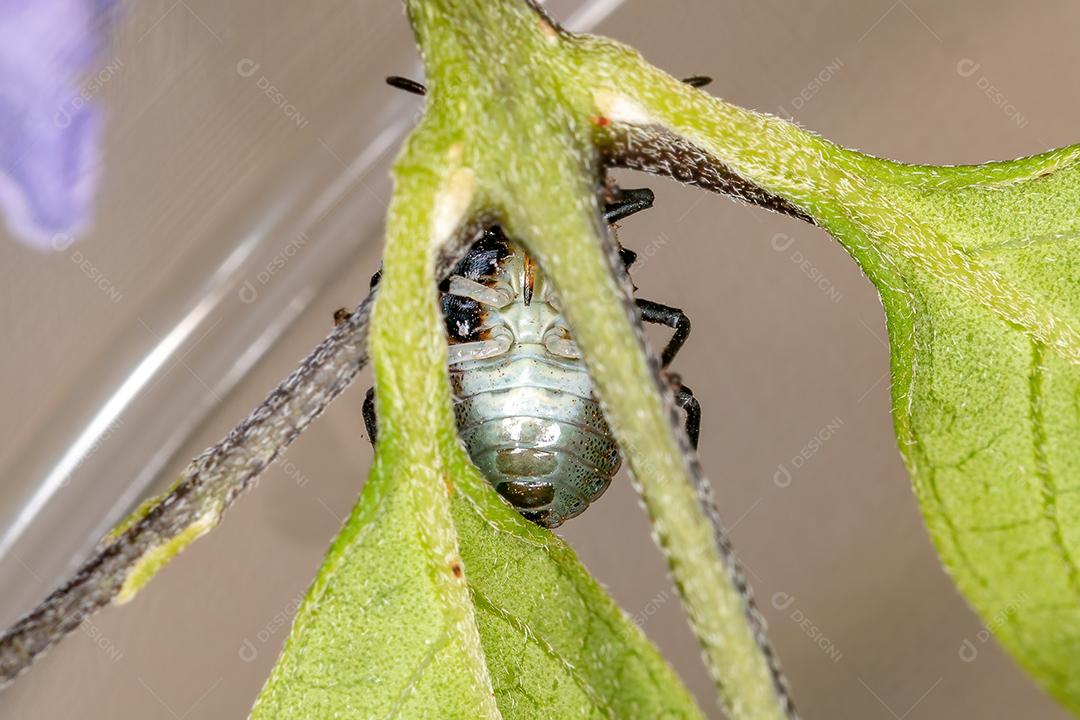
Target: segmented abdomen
(532, 426)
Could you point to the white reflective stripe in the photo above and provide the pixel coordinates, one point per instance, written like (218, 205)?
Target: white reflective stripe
(498, 344)
(464, 287)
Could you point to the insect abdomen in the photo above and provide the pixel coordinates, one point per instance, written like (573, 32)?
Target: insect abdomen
(532, 426)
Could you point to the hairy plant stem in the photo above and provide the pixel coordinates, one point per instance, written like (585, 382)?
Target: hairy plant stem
(506, 95)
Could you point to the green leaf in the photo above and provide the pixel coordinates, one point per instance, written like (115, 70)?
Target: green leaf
(386, 630)
(390, 626)
(987, 409)
(981, 288)
(978, 268)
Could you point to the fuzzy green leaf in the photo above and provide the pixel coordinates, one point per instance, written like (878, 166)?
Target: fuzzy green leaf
(386, 629)
(987, 409)
(380, 633)
(978, 268)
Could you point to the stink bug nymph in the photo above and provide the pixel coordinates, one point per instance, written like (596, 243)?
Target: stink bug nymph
(524, 403)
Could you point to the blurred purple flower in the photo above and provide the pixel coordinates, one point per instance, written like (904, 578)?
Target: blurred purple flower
(50, 125)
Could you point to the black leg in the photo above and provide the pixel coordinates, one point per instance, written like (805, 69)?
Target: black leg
(684, 398)
(409, 86)
(370, 421)
(629, 202)
(654, 312)
(342, 314)
(698, 81)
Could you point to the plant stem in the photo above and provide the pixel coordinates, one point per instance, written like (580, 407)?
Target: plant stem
(504, 85)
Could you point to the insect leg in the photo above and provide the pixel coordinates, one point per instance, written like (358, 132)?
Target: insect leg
(684, 398)
(370, 421)
(342, 314)
(629, 257)
(654, 312)
(629, 202)
(408, 85)
(368, 410)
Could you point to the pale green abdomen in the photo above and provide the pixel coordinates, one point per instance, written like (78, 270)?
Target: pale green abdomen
(532, 426)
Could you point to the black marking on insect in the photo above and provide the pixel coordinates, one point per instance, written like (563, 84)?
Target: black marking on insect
(482, 264)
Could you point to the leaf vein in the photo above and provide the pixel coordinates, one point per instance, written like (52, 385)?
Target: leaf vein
(530, 634)
(1037, 389)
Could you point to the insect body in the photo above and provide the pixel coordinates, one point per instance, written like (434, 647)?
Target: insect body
(524, 401)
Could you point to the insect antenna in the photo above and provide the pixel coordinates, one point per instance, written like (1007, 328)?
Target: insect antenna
(404, 83)
(698, 81)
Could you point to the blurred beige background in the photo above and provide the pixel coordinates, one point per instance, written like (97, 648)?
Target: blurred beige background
(787, 355)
